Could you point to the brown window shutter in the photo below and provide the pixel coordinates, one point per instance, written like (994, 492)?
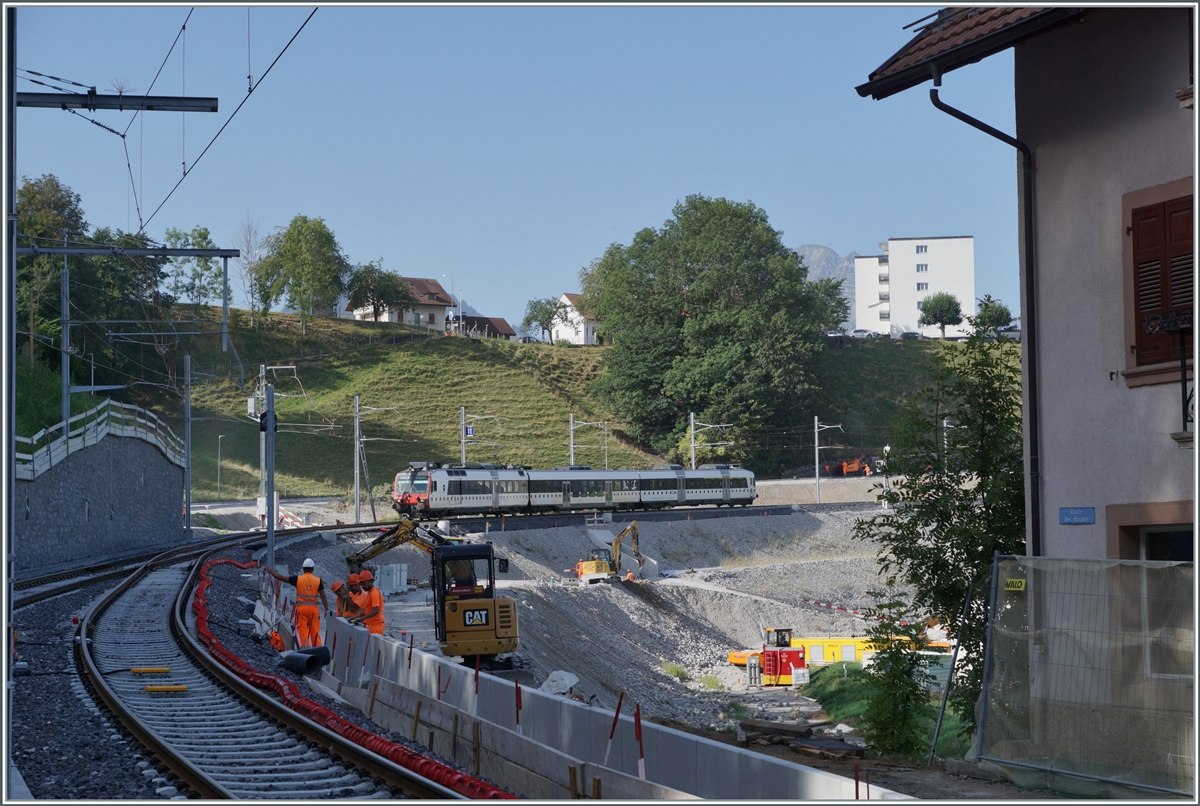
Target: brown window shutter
(1162, 266)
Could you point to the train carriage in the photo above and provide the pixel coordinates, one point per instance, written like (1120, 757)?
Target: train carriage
(583, 488)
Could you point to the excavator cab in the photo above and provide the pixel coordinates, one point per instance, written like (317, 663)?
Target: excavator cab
(468, 618)
(778, 636)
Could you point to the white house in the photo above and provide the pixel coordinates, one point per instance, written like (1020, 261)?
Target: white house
(432, 302)
(580, 327)
(889, 288)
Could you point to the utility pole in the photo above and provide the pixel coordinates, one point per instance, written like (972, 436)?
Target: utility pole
(572, 426)
(219, 438)
(260, 394)
(703, 427)
(268, 429)
(187, 445)
(356, 459)
(818, 427)
(462, 434)
(65, 307)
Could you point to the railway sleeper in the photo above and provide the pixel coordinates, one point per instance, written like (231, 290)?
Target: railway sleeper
(334, 775)
(245, 749)
(330, 786)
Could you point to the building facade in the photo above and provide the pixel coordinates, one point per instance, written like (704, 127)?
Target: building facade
(432, 302)
(579, 327)
(889, 288)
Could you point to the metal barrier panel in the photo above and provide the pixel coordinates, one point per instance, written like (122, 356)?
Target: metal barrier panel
(1091, 671)
(671, 757)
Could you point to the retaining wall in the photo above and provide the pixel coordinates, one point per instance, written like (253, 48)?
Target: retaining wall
(117, 497)
(673, 759)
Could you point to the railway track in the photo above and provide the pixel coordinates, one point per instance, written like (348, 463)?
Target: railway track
(219, 735)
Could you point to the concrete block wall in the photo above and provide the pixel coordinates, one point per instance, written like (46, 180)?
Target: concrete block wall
(673, 759)
(116, 498)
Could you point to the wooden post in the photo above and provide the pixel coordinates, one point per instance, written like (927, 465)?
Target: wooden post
(454, 740)
(416, 719)
(574, 786)
(374, 688)
(595, 788)
(475, 743)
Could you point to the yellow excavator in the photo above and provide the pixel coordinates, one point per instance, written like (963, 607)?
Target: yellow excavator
(469, 620)
(604, 564)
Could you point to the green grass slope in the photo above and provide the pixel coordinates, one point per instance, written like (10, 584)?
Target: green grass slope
(523, 392)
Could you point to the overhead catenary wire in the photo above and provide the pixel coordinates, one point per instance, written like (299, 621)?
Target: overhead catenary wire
(227, 122)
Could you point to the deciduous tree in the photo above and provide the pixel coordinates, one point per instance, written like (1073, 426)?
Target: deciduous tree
(250, 244)
(197, 279)
(710, 314)
(370, 286)
(959, 496)
(545, 313)
(993, 314)
(940, 309)
(307, 266)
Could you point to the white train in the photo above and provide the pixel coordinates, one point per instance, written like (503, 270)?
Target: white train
(431, 490)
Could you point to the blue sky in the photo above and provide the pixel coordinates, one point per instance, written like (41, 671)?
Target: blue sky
(508, 147)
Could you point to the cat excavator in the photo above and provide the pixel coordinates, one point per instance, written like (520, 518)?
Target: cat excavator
(603, 564)
(469, 620)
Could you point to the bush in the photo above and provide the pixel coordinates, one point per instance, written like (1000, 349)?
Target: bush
(898, 714)
(676, 671)
(711, 682)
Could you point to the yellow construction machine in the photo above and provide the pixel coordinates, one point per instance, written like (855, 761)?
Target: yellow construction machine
(603, 564)
(469, 620)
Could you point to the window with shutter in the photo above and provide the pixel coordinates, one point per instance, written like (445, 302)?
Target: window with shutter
(1163, 278)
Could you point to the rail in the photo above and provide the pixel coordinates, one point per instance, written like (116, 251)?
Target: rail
(44, 450)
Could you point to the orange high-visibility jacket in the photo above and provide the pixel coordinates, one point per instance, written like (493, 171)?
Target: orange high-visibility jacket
(375, 622)
(307, 587)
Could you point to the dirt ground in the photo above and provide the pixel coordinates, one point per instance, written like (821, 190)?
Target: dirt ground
(663, 642)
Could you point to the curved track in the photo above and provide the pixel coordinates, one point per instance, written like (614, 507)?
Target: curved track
(218, 734)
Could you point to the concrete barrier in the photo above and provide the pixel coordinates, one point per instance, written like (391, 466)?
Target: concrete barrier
(572, 732)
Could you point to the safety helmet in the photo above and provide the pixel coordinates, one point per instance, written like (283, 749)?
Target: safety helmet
(366, 576)
(308, 563)
(352, 579)
(337, 585)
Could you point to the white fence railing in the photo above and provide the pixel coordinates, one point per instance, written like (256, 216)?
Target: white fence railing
(48, 447)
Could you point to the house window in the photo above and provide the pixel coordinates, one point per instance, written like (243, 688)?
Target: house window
(1162, 277)
(922, 249)
(922, 286)
(885, 315)
(920, 305)
(431, 319)
(922, 267)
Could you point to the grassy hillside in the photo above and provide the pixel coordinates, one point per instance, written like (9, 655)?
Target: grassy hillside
(418, 386)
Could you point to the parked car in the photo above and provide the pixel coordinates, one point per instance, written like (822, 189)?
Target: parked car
(1012, 332)
(863, 334)
(910, 335)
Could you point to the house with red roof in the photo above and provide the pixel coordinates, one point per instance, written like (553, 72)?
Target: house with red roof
(579, 327)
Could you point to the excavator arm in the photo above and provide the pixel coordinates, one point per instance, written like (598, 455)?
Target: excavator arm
(630, 531)
(406, 531)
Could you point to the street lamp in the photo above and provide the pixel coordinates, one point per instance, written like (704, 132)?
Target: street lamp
(219, 438)
(458, 314)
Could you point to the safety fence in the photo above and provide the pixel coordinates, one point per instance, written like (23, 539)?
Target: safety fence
(1089, 676)
(50, 446)
(645, 751)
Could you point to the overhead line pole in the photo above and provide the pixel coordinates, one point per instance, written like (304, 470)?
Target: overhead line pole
(818, 427)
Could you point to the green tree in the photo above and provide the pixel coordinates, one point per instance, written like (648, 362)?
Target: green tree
(940, 309)
(544, 313)
(198, 279)
(993, 314)
(255, 287)
(371, 287)
(306, 266)
(45, 207)
(959, 496)
(710, 314)
(898, 713)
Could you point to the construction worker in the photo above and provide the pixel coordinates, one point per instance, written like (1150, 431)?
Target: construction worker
(358, 596)
(629, 577)
(309, 588)
(371, 615)
(345, 605)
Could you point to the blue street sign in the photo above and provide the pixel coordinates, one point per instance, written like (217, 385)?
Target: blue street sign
(1076, 515)
(470, 430)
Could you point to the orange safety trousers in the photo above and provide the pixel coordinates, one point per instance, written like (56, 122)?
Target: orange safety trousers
(308, 626)
(374, 623)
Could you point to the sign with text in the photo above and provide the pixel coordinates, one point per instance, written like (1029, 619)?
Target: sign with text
(1076, 515)
(470, 430)
(1017, 584)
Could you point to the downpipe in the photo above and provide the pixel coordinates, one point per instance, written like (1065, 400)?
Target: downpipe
(1028, 310)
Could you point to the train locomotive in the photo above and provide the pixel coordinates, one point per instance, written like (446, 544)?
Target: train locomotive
(429, 489)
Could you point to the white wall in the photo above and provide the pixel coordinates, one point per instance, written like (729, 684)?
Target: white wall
(867, 306)
(1095, 103)
(951, 269)
(576, 329)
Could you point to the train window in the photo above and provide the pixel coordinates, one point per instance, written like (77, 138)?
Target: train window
(453, 487)
(738, 482)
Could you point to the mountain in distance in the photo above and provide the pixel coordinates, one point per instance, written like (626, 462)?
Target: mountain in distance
(823, 262)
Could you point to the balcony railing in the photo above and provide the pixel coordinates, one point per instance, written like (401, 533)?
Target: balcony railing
(883, 278)
(1171, 323)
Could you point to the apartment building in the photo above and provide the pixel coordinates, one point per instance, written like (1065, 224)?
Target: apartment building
(889, 288)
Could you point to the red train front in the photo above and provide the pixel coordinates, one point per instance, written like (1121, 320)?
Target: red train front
(410, 491)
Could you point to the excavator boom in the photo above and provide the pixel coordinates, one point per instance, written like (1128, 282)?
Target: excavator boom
(406, 531)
